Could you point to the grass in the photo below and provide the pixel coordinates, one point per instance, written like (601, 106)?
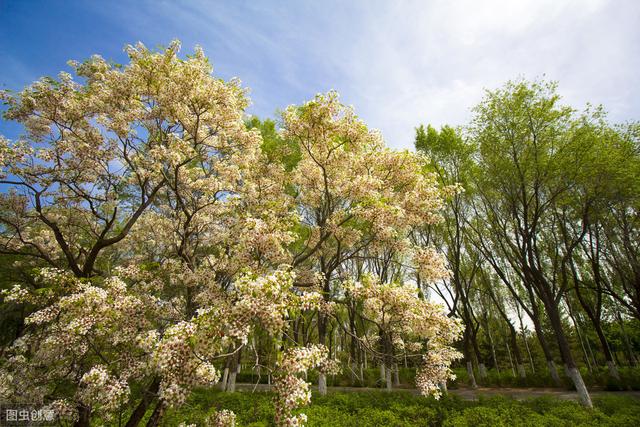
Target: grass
(364, 409)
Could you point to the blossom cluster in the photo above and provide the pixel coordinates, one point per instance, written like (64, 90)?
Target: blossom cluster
(103, 391)
(431, 265)
(181, 354)
(291, 390)
(223, 418)
(435, 370)
(408, 321)
(178, 364)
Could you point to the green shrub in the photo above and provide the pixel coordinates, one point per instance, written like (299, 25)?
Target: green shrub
(379, 408)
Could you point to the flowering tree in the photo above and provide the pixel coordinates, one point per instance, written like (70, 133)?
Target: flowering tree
(159, 133)
(158, 234)
(353, 194)
(408, 323)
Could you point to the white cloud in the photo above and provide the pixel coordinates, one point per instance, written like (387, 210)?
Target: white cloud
(430, 63)
(408, 62)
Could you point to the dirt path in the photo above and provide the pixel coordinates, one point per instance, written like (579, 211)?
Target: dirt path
(471, 394)
(527, 393)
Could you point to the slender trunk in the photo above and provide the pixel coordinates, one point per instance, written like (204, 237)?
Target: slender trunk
(396, 375)
(353, 353)
(553, 371)
(84, 416)
(493, 350)
(482, 369)
(513, 369)
(233, 372)
(443, 388)
(524, 338)
(590, 351)
(225, 378)
(296, 331)
(582, 345)
(141, 409)
(608, 356)
(388, 378)
(613, 369)
(158, 413)
(322, 339)
(513, 336)
(631, 358)
(575, 326)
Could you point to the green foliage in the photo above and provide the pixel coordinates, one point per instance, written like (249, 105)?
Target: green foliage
(277, 149)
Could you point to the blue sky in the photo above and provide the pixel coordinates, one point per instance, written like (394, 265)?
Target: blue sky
(399, 63)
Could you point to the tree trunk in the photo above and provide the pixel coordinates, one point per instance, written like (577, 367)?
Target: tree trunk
(467, 356)
(233, 372)
(553, 371)
(524, 338)
(575, 325)
(472, 377)
(513, 368)
(516, 352)
(231, 383)
(141, 409)
(354, 355)
(156, 416)
(631, 358)
(547, 352)
(396, 375)
(388, 378)
(583, 393)
(225, 378)
(613, 370)
(322, 339)
(563, 344)
(84, 416)
(493, 350)
(443, 388)
(482, 369)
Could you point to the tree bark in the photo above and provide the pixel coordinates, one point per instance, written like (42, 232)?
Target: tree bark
(396, 375)
(158, 413)
(84, 416)
(467, 356)
(563, 344)
(141, 409)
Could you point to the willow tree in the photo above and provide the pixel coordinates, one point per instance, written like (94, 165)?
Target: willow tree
(530, 159)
